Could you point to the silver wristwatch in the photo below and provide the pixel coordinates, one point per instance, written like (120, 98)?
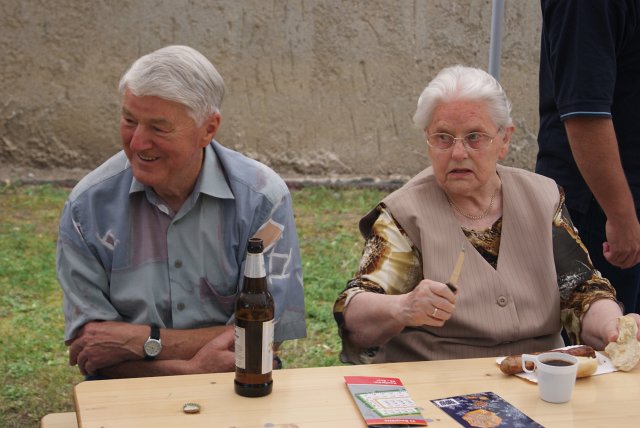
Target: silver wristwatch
(153, 345)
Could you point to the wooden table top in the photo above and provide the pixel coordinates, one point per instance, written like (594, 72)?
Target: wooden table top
(318, 397)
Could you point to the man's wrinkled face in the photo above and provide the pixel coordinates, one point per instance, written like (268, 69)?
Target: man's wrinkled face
(163, 142)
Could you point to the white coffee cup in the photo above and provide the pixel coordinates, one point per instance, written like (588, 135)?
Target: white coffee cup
(556, 373)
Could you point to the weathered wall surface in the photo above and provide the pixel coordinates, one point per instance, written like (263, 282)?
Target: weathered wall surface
(314, 87)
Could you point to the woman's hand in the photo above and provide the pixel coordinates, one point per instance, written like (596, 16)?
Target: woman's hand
(600, 323)
(611, 328)
(429, 303)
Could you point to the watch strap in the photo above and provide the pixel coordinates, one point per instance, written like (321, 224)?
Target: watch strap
(155, 332)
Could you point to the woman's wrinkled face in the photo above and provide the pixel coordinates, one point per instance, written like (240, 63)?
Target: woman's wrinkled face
(460, 170)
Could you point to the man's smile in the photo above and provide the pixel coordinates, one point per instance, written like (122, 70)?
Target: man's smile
(147, 158)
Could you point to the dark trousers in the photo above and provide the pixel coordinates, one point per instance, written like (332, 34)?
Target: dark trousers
(591, 227)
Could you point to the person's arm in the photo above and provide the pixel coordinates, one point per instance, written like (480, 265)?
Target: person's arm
(589, 309)
(595, 149)
(600, 324)
(373, 319)
(386, 295)
(104, 344)
(217, 355)
(580, 284)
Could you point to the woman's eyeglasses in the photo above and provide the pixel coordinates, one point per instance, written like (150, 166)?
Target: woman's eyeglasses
(473, 140)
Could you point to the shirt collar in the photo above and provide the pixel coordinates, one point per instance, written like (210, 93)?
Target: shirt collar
(212, 180)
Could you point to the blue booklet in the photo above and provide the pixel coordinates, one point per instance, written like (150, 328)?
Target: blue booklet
(484, 409)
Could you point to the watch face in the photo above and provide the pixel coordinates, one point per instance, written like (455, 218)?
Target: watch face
(152, 347)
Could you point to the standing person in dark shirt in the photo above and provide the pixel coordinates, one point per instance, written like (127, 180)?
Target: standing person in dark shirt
(589, 137)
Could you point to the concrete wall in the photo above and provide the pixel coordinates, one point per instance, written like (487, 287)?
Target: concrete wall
(314, 87)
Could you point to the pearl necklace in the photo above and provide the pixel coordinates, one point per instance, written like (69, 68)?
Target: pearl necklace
(474, 217)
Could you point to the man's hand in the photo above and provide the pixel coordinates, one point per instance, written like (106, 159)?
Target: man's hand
(101, 344)
(622, 248)
(217, 355)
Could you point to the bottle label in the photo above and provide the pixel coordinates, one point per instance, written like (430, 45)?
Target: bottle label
(254, 266)
(254, 346)
(239, 347)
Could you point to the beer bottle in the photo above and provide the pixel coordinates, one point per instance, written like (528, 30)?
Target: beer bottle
(254, 313)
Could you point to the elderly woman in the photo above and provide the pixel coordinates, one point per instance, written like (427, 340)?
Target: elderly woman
(525, 274)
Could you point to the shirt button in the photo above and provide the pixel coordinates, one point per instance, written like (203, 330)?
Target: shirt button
(502, 301)
(178, 264)
(181, 306)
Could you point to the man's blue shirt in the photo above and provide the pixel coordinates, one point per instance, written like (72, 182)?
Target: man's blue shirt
(123, 255)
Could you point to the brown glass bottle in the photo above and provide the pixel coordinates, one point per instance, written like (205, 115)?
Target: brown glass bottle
(254, 328)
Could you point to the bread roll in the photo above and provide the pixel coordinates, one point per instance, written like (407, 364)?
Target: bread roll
(625, 352)
(586, 366)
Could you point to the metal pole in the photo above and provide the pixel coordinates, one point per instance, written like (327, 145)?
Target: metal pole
(495, 44)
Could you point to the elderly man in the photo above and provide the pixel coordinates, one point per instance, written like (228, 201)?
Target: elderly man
(152, 242)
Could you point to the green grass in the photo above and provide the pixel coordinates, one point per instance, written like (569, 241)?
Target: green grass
(35, 376)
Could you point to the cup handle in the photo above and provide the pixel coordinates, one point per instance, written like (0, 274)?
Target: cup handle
(528, 358)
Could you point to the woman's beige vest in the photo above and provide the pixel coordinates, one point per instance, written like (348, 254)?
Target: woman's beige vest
(509, 310)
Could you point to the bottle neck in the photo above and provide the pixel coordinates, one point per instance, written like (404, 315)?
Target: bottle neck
(254, 266)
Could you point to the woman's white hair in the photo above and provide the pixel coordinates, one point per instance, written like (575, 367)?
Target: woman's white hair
(180, 74)
(459, 83)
